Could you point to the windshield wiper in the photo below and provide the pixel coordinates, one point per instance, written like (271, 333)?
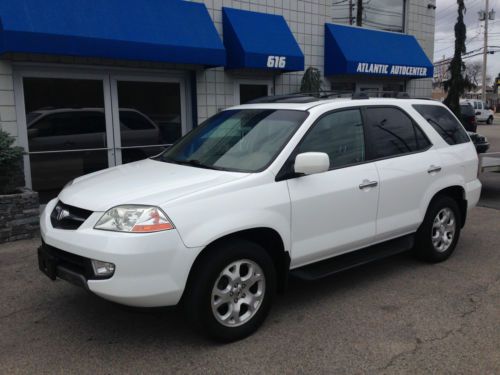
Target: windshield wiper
(192, 163)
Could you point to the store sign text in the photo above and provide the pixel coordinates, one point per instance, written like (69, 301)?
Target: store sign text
(276, 61)
(397, 70)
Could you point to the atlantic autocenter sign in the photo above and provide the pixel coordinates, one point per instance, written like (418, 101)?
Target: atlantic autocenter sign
(392, 70)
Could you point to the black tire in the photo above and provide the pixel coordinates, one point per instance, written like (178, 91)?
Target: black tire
(490, 120)
(424, 247)
(198, 298)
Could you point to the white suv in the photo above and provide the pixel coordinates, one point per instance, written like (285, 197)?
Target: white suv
(483, 113)
(289, 185)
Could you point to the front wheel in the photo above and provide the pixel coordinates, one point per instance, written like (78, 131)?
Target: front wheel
(231, 290)
(490, 120)
(438, 234)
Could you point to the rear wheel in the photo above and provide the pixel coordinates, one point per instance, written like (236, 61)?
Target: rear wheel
(231, 291)
(490, 120)
(438, 235)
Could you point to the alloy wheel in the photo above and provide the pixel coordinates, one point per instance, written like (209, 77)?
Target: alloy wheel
(238, 293)
(443, 229)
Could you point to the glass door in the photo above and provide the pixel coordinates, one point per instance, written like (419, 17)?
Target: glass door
(147, 116)
(66, 130)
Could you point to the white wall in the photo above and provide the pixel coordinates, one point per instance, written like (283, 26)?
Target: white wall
(7, 106)
(306, 19)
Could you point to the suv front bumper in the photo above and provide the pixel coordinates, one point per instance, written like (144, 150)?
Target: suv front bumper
(151, 269)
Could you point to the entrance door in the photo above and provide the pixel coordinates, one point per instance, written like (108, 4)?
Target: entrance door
(147, 116)
(79, 123)
(67, 130)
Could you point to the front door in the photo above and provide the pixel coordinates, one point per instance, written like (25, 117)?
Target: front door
(79, 123)
(335, 211)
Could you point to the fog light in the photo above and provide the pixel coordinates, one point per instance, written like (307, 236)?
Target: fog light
(103, 268)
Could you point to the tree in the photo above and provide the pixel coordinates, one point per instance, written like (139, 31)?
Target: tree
(311, 81)
(473, 72)
(458, 82)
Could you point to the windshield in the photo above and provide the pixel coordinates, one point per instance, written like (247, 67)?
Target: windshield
(245, 140)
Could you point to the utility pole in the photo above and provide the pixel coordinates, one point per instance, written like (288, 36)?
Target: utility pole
(485, 49)
(350, 12)
(359, 13)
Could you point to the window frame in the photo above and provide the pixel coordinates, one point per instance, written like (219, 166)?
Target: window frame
(370, 149)
(434, 129)
(286, 172)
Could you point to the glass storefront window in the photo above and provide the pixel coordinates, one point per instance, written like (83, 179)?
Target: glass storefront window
(150, 117)
(378, 14)
(249, 92)
(62, 117)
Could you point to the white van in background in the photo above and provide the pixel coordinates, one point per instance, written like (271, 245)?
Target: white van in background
(483, 112)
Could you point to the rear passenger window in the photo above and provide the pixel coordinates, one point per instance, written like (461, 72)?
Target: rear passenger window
(392, 133)
(443, 121)
(340, 135)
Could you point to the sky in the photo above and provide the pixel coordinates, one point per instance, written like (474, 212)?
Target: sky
(446, 16)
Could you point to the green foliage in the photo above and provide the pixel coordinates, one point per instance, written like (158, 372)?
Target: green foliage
(311, 81)
(10, 163)
(458, 82)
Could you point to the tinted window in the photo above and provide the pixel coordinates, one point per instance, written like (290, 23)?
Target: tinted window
(340, 135)
(466, 110)
(392, 133)
(443, 121)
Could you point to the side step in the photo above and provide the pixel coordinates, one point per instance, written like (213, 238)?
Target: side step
(356, 258)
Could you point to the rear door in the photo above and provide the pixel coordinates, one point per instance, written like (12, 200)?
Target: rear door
(406, 165)
(335, 211)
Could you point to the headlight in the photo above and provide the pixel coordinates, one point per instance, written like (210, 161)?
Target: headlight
(134, 218)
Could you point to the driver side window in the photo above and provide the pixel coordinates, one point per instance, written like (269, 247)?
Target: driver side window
(340, 135)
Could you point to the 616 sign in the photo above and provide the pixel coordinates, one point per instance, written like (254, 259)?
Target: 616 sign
(276, 62)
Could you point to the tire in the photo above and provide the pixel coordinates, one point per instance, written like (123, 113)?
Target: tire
(437, 236)
(490, 120)
(216, 278)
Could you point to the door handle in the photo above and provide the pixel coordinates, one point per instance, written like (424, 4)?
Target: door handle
(434, 169)
(367, 184)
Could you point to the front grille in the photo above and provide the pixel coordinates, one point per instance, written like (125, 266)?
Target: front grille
(64, 216)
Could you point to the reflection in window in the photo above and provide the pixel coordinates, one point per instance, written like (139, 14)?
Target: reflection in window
(340, 135)
(378, 14)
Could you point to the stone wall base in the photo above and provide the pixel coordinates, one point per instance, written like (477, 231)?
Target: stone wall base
(19, 215)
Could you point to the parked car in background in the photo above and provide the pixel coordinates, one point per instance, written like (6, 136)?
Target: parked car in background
(483, 112)
(480, 142)
(287, 185)
(73, 129)
(468, 117)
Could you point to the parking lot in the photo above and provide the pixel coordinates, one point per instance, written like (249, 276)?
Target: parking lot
(393, 316)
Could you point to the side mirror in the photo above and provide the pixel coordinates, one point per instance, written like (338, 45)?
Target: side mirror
(311, 163)
(478, 113)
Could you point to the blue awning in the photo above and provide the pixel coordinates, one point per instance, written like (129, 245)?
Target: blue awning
(259, 40)
(171, 31)
(356, 50)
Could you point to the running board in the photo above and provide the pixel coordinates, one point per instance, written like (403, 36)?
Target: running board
(353, 259)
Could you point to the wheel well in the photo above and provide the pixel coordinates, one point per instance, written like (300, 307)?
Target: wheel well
(268, 238)
(457, 193)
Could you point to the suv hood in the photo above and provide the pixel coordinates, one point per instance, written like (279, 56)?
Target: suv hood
(144, 182)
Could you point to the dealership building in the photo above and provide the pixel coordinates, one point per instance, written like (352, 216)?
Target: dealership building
(87, 84)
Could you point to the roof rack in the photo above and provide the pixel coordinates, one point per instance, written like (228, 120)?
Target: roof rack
(308, 97)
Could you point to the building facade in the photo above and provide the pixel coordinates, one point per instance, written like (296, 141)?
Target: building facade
(88, 84)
